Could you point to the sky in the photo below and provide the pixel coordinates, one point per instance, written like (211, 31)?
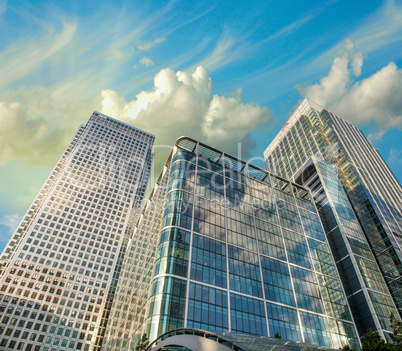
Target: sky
(229, 73)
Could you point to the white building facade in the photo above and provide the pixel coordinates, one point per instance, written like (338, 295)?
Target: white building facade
(60, 269)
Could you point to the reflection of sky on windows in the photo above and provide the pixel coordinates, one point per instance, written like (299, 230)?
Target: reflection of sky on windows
(254, 246)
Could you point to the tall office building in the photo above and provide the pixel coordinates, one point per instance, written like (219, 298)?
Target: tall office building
(224, 246)
(374, 192)
(367, 293)
(60, 268)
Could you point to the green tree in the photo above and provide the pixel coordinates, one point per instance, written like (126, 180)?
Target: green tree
(277, 335)
(142, 343)
(396, 337)
(372, 342)
(346, 348)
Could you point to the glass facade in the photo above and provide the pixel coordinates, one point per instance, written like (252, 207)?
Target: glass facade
(366, 290)
(374, 192)
(237, 250)
(60, 268)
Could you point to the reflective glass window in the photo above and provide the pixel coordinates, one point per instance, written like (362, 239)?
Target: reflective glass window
(247, 315)
(307, 291)
(270, 240)
(297, 249)
(277, 282)
(209, 218)
(208, 261)
(315, 329)
(244, 272)
(285, 321)
(173, 251)
(207, 308)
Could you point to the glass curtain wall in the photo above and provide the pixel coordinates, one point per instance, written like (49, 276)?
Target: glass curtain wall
(365, 287)
(241, 250)
(374, 192)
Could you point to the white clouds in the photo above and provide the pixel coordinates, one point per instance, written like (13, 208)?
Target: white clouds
(331, 87)
(377, 98)
(228, 117)
(182, 104)
(381, 29)
(34, 130)
(8, 224)
(36, 125)
(376, 136)
(227, 50)
(146, 61)
(148, 45)
(117, 55)
(21, 135)
(288, 29)
(220, 54)
(22, 58)
(394, 159)
(357, 63)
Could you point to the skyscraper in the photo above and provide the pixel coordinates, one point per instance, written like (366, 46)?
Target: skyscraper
(225, 246)
(374, 192)
(367, 293)
(60, 268)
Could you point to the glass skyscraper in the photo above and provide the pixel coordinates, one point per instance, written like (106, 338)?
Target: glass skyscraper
(373, 191)
(60, 268)
(225, 246)
(367, 293)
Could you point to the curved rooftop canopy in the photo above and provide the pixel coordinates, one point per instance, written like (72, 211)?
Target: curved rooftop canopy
(186, 339)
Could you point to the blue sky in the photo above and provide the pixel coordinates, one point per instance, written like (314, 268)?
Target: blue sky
(221, 71)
